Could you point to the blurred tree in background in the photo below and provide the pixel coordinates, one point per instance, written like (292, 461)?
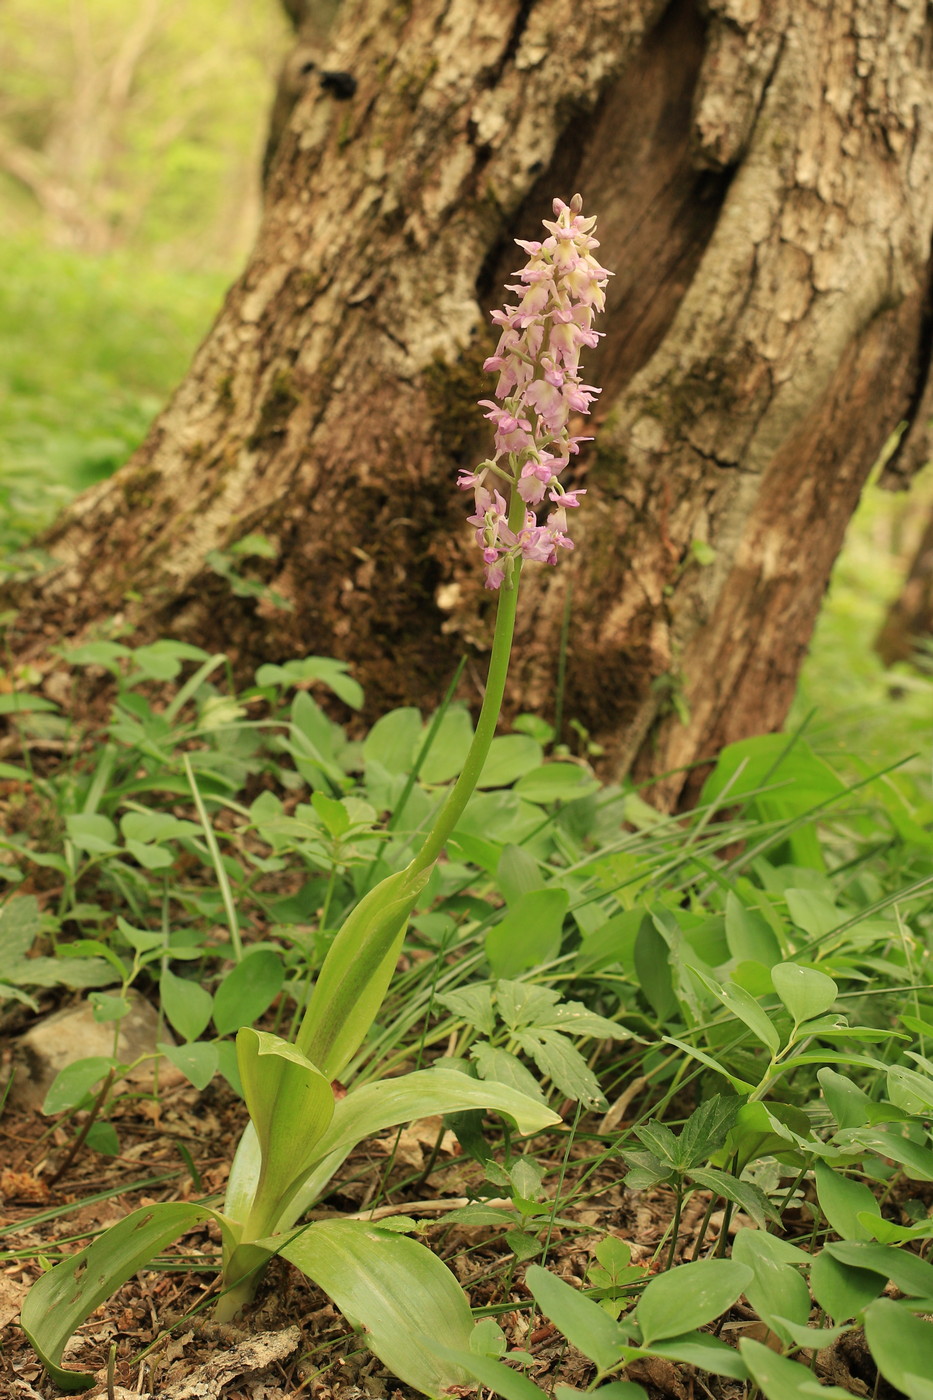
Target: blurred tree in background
(137, 125)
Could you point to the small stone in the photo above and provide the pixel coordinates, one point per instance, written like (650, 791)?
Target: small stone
(73, 1034)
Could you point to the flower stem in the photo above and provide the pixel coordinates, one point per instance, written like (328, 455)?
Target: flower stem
(463, 788)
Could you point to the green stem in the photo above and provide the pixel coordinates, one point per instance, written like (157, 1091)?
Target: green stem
(463, 788)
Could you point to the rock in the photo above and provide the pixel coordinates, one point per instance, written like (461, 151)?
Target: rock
(73, 1034)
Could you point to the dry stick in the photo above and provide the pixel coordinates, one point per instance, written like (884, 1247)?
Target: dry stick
(617, 1110)
(88, 1124)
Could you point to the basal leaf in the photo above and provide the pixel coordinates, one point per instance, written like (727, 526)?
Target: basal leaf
(62, 1298)
(385, 1103)
(291, 1104)
(396, 1289)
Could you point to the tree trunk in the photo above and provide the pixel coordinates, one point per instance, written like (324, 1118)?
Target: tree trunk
(908, 626)
(762, 171)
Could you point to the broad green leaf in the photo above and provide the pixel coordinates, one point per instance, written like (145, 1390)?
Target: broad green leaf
(396, 1289)
(583, 1322)
(915, 1159)
(611, 942)
(575, 1019)
(750, 937)
(16, 703)
(842, 1200)
(325, 669)
(706, 1129)
(517, 873)
(910, 1091)
(61, 1299)
(186, 1003)
(653, 966)
(109, 1006)
(93, 834)
(392, 740)
(800, 778)
(803, 990)
(813, 912)
(149, 857)
(60, 972)
(703, 1351)
(886, 1232)
(357, 971)
(155, 827)
(833, 1057)
(777, 1291)
(908, 1272)
(21, 922)
(850, 1106)
(197, 1060)
(247, 991)
(689, 1296)
(530, 933)
(102, 1137)
(510, 756)
(522, 1004)
(742, 1004)
(556, 782)
(661, 1141)
(782, 1379)
(445, 757)
(291, 1104)
(333, 814)
(901, 1344)
(841, 1289)
(76, 1080)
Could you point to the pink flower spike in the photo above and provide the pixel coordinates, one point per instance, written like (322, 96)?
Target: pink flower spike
(538, 390)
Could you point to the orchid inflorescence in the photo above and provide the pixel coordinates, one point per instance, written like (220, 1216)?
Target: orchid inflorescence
(538, 360)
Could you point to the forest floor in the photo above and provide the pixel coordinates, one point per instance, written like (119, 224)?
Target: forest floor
(156, 1331)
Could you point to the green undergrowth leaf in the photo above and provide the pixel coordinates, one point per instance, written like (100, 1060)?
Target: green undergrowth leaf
(689, 1296)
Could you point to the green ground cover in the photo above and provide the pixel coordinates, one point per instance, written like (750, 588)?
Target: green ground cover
(762, 973)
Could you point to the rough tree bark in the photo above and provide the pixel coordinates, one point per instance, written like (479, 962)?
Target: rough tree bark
(763, 175)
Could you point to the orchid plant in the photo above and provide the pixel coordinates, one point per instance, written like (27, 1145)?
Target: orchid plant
(299, 1133)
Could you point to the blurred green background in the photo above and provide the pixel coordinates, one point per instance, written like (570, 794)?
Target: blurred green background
(130, 143)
